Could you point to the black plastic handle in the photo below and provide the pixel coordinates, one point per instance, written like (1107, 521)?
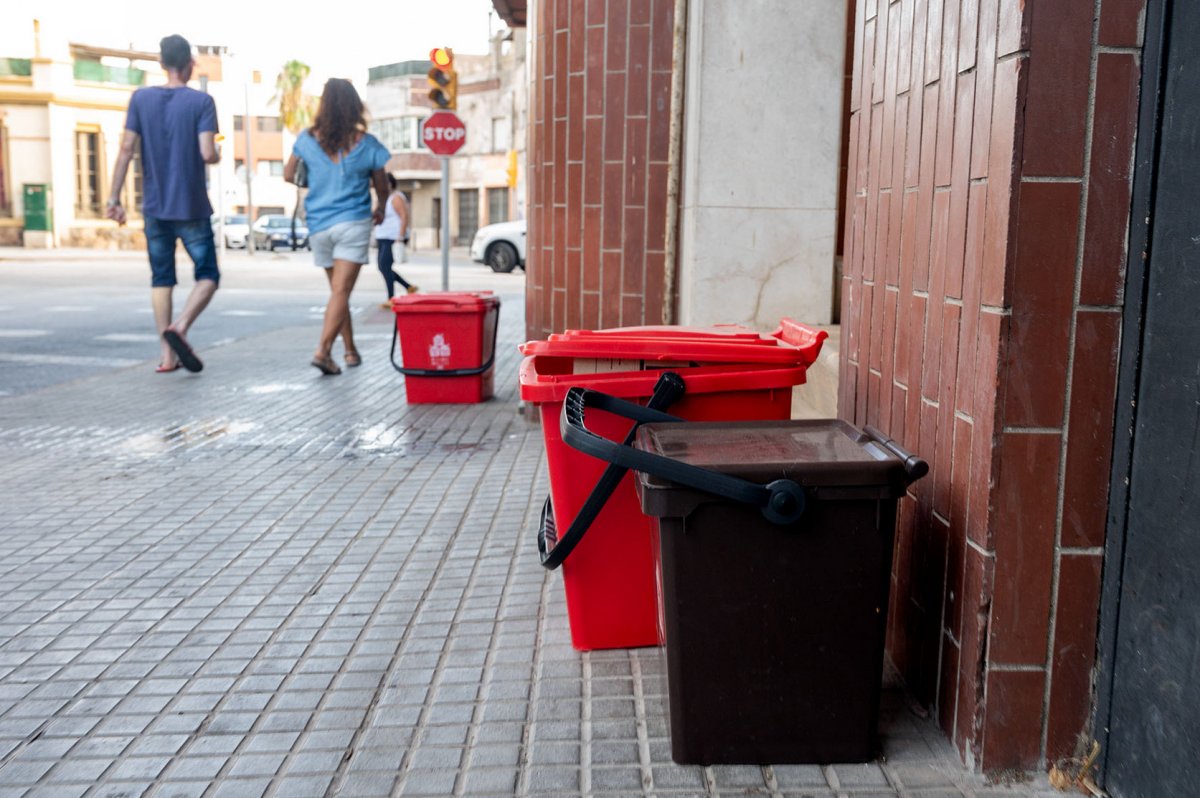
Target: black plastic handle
(553, 550)
(914, 467)
(781, 501)
(471, 372)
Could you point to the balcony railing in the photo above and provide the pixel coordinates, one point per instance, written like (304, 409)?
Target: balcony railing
(397, 70)
(16, 67)
(97, 72)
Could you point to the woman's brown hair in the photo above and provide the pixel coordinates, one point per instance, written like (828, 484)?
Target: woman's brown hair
(340, 116)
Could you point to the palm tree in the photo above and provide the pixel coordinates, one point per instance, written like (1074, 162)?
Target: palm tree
(296, 106)
(296, 111)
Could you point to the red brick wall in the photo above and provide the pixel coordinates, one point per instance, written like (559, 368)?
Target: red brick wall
(597, 163)
(991, 144)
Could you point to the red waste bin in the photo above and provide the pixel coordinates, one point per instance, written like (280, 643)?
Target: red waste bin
(448, 345)
(730, 373)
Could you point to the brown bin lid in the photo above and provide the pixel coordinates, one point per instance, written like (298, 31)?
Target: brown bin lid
(825, 453)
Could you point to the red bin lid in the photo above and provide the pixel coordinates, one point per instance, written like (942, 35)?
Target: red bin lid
(792, 343)
(445, 302)
(731, 333)
(542, 386)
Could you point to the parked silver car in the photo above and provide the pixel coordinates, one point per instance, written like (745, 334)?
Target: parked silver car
(274, 231)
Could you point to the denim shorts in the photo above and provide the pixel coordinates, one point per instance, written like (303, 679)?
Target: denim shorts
(197, 237)
(349, 241)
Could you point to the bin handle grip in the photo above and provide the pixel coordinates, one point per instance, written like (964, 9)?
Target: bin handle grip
(471, 372)
(914, 467)
(553, 549)
(781, 501)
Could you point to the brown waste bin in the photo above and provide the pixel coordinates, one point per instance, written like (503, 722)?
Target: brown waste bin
(774, 551)
(774, 632)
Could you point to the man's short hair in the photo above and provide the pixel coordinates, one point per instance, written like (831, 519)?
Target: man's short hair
(175, 51)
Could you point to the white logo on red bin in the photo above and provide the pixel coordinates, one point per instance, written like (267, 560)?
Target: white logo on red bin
(439, 352)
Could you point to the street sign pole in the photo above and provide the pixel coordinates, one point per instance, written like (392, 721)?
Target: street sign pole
(444, 134)
(445, 159)
(249, 163)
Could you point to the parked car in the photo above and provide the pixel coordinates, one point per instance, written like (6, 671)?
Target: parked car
(236, 230)
(500, 245)
(274, 230)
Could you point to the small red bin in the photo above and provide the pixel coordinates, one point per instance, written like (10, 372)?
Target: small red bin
(448, 345)
(730, 374)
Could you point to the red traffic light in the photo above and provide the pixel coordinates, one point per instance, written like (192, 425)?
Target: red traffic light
(442, 57)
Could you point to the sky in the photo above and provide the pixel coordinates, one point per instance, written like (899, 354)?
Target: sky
(335, 39)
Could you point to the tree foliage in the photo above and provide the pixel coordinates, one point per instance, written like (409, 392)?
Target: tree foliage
(296, 106)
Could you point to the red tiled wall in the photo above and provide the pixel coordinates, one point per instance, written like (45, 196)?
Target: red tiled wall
(597, 158)
(991, 145)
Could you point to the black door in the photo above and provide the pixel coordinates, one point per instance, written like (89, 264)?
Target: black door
(1150, 678)
(468, 215)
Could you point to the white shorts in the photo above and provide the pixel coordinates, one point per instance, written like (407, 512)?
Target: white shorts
(344, 241)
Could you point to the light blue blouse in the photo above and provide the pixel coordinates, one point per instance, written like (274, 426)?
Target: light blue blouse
(339, 192)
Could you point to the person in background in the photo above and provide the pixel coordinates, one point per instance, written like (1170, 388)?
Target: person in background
(175, 128)
(343, 162)
(390, 234)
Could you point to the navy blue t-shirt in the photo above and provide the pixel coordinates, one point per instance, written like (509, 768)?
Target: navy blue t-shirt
(170, 121)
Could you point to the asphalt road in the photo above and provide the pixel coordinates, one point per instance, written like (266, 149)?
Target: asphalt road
(68, 314)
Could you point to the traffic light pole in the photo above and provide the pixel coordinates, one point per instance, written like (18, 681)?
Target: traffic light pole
(445, 222)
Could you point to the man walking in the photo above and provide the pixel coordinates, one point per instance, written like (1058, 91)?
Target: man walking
(176, 129)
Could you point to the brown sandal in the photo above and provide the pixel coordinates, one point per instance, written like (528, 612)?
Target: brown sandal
(326, 365)
(353, 359)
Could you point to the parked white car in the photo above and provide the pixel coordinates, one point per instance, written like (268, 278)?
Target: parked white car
(501, 245)
(236, 230)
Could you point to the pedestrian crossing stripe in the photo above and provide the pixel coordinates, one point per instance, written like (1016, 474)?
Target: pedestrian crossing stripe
(70, 360)
(128, 338)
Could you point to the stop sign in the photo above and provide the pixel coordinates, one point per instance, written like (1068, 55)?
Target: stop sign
(444, 133)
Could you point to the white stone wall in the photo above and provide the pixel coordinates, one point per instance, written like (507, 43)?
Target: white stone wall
(762, 129)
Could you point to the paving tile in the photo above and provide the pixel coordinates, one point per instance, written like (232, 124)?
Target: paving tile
(26, 772)
(727, 776)
(922, 776)
(618, 779)
(110, 789)
(187, 768)
(489, 781)
(182, 789)
(58, 790)
(553, 780)
(315, 762)
(679, 778)
(139, 768)
(46, 749)
(798, 776)
(861, 776)
(256, 765)
(429, 782)
(242, 788)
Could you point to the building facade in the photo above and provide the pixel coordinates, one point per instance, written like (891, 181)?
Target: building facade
(62, 118)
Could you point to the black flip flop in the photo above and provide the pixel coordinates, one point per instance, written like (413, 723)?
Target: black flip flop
(182, 351)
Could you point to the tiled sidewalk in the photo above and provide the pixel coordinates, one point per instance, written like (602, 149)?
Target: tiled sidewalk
(257, 581)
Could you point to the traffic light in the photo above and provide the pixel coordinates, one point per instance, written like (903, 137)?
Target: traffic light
(443, 80)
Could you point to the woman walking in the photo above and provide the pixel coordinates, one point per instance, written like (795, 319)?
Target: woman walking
(342, 161)
(393, 228)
